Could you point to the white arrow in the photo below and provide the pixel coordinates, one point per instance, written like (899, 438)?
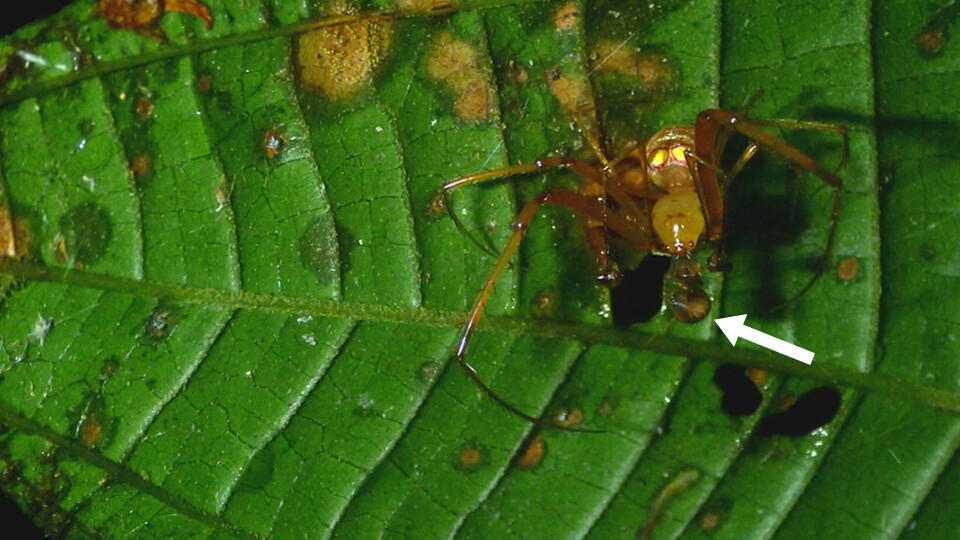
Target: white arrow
(734, 328)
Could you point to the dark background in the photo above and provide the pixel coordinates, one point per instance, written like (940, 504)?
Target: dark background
(15, 523)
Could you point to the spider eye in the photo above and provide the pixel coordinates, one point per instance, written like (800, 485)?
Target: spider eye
(658, 158)
(677, 152)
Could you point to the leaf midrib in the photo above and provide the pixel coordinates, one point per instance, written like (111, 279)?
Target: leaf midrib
(922, 394)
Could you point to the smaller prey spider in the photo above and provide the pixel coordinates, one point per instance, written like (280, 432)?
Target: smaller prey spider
(665, 195)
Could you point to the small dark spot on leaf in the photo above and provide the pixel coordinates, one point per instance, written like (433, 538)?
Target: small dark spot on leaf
(364, 405)
(545, 304)
(86, 127)
(140, 166)
(568, 417)
(606, 406)
(428, 371)
(272, 142)
(847, 269)
(928, 252)
(813, 410)
(712, 516)
(225, 101)
(204, 83)
(471, 457)
(143, 107)
(160, 323)
(109, 367)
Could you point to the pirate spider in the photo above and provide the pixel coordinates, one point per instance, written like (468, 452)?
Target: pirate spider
(665, 195)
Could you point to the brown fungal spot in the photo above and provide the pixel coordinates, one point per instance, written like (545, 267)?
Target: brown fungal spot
(272, 142)
(930, 41)
(134, 14)
(59, 247)
(757, 375)
(143, 107)
(90, 431)
(712, 516)
(140, 166)
(204, 83)
(847, 269)
(613, 57)
(709, 521)
(517, 71)
(569, 417)
(531, 454)
(438, 205)
(158, 324)
(454, 62)
(429, 370)
(471, 457)
(571, 92)
(545, 304)
(339, 60)
(606, 406)
(566, 17)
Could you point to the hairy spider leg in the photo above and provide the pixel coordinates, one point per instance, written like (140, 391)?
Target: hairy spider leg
(585, 206)
(578, 166)
(712, 120)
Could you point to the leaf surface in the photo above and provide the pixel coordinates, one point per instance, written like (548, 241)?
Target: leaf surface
(242, 303)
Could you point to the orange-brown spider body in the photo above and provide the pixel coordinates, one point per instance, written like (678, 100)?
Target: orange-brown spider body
(664, 195)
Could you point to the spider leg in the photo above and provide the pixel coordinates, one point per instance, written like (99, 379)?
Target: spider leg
(811, 126)
(576, 165)
(710, 121)
(587, 207)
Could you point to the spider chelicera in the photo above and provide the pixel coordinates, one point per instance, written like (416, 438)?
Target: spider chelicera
(663, 195)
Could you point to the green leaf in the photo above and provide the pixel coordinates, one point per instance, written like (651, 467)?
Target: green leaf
(236, 310)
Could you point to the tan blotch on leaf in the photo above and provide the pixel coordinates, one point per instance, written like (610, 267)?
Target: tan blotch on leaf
(566, 17)
(572, 93)
(454, 63)
(339, 60)
(613, 57)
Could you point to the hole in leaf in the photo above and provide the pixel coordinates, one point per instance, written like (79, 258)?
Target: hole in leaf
(741, 396)
(640, 293)
(813, 410)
